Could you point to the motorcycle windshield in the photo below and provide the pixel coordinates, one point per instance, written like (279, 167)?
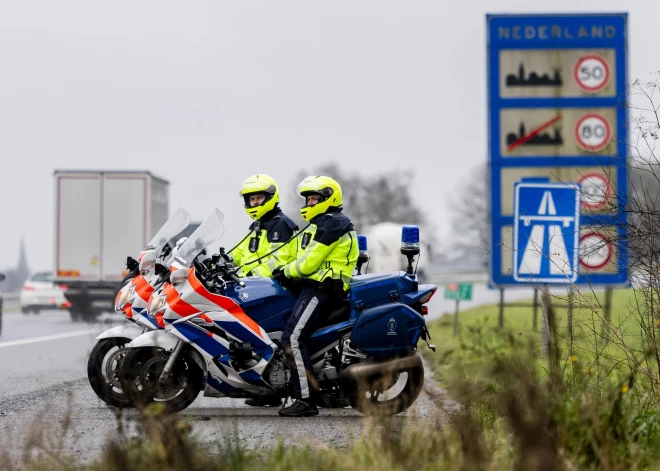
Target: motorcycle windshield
(206, 236)
(174, 225)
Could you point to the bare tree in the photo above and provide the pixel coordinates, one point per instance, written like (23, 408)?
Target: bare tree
(469, 207)
(15, 277)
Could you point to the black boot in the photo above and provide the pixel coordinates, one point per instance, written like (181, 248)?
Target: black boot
(300, 408)
(264, 401)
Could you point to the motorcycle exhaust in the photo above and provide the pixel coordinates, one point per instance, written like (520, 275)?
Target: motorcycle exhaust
(370, 371)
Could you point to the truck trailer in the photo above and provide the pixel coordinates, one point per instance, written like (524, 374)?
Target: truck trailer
(101, 217)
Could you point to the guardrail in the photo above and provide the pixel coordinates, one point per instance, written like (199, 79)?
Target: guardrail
(11, 302)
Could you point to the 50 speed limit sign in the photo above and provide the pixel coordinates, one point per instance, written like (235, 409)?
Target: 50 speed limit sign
(593, 132)
(591, 73)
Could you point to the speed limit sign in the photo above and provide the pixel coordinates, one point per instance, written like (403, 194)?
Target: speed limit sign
(593, 132)
(591, 73)
(596, 190)
(595, 251)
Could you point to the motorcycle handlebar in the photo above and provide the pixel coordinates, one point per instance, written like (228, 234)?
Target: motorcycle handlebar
(237, 280)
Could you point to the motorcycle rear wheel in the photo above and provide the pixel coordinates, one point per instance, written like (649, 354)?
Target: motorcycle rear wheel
(390, 394)
(140, 373)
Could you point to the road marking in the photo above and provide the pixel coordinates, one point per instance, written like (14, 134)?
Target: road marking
(46, 338)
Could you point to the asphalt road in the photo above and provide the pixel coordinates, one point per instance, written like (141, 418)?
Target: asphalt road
(43, 362)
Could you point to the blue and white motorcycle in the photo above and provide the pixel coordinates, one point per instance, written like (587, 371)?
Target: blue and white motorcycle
(222, 336)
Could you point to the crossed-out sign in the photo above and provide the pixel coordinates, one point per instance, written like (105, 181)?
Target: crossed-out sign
(592, 132)
(546, 232)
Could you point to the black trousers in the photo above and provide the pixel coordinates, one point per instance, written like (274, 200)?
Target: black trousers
(308, 313)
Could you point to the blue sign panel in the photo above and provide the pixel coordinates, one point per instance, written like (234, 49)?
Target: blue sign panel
(557, 88)
(546, 232)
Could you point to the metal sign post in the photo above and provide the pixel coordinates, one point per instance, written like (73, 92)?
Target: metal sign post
(459, 292)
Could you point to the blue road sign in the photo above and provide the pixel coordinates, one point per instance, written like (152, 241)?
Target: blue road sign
(557, 88)
(546, 232)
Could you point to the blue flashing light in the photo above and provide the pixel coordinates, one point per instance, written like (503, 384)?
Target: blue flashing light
(410, 235)
(362, 243)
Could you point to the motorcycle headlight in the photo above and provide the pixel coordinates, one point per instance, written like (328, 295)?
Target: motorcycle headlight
(156, 303)
(123, 298)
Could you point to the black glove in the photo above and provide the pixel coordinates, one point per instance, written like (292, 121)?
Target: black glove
(278, 273)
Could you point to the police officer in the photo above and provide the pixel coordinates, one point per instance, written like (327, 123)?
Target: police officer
(271, 228)
(326, 260)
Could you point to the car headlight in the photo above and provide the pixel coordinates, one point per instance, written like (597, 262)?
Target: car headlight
(156, 303)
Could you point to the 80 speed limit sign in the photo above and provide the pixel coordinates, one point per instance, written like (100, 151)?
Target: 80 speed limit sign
(593, 132)
(591, 73)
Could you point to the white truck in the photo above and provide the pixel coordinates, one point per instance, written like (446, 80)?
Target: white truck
(384, 249)
(101, 217)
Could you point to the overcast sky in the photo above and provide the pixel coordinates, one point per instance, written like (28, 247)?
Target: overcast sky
(206, 93)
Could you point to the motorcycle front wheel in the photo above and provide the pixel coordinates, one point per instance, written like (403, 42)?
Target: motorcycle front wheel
(103, 371)
(140, 379)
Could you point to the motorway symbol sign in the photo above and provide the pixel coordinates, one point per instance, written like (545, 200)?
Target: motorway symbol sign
(546, 232)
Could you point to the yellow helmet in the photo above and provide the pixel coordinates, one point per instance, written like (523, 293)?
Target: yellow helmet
(260, 184)
(327, 188)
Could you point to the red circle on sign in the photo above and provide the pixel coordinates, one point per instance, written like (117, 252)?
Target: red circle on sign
(576, 70)
(589, 147)
(608, 189)
(606, 244)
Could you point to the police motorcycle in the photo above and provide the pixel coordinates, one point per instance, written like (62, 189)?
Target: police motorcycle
(143, 277)
(222, 336)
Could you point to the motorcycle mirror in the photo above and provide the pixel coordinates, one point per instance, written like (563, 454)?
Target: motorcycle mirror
(132, 264)
(160, 269)
(167, 249)
(226, 256)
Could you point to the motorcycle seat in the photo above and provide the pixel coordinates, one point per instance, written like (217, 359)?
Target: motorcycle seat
(341, 314)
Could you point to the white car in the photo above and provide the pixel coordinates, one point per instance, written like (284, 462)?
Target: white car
(39, 292)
